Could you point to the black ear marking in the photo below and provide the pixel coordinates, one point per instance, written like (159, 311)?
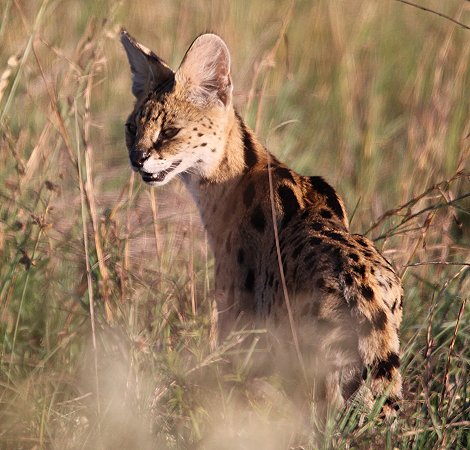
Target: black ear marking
(148, 70)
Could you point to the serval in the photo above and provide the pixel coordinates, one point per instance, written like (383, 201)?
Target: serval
(284, 255)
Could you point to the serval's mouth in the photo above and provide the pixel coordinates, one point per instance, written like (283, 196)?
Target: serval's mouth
(159, 176)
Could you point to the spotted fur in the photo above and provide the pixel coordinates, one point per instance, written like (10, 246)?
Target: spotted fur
(345, 297)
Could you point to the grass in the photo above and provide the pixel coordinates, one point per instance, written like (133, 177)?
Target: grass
(105, 285)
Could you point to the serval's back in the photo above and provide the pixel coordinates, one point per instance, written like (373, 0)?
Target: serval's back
(345, 298)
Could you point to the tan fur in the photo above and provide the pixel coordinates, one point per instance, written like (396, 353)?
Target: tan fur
(346, 298)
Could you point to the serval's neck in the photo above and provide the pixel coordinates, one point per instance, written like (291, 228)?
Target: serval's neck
(242, 153)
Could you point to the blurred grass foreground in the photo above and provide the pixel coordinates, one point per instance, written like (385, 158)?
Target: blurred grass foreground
(106, 285)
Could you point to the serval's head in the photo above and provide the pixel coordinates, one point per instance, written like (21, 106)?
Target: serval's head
(178, 122)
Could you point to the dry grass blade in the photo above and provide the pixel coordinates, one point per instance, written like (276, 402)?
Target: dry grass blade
(445, 381)
(90, 195)
(415, 5)
(53, 103)
(88, 268)
(460, 424)
(461, 175)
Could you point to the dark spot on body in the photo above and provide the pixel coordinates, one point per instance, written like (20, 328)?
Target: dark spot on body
(326, 213)
(384, 368)
(240, 256)
(257, 219)
(348, 279)
(380, 320)
(335, 236)
(367, 292)
(249, 194)
(392, 403)
(203, 144)
(359, 269)
(362, 242)
(250, 280)
(354, 256)
(285, 173)
(289, 202)
(332, 200)
(316, 226)
(314, 241)
(200, 134)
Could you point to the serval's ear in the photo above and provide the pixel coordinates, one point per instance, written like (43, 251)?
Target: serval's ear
(148, 70)
(205, 71)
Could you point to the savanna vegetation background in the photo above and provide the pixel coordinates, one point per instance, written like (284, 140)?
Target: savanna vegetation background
(105, 285)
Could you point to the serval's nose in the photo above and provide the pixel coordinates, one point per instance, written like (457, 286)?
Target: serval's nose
(138, 157)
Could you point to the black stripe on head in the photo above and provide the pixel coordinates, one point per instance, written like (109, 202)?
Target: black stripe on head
(290, 204)
(248, 146)
(332, 200)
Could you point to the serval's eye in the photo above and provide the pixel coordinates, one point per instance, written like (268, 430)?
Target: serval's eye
(131, 128)
(170, 132)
